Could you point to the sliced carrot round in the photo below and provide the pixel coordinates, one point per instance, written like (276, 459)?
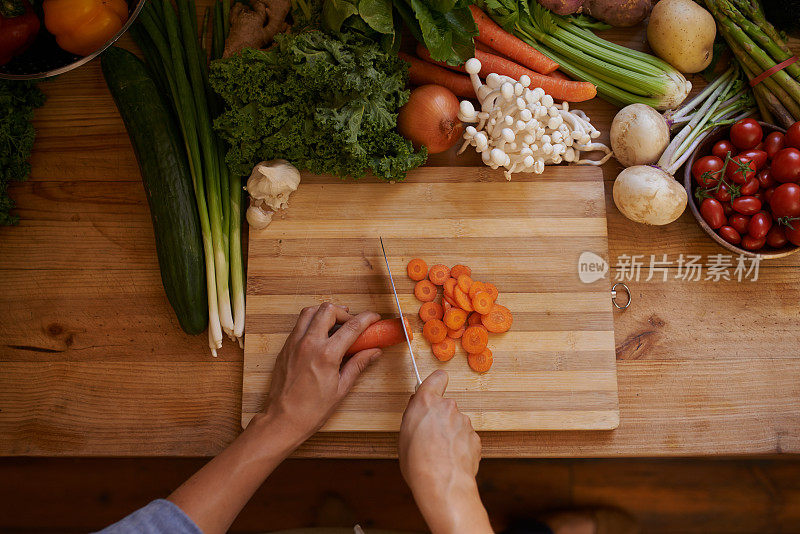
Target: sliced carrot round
(455, 334)
(498, 320)
(481, 362)
(444, 350)
(450, 301)
(425, 290)
(474, 319)
(475, 339)
(455, 318)
(458, 270)
(439, 274)
(449, 286)
(482, 302)
(430, 310)
(492, 290)
(445, 305)
(417, 269)
(434, 331)
(475, 288)
(464, 282)
(462, 300)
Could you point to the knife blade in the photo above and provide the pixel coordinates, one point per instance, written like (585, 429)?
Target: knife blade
(402, 317)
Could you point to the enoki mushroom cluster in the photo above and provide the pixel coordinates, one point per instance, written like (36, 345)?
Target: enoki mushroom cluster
(522, 129)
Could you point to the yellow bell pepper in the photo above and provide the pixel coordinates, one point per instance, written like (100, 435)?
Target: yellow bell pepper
(83, 26)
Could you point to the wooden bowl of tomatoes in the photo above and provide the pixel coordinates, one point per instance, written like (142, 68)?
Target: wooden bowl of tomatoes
(743, 182)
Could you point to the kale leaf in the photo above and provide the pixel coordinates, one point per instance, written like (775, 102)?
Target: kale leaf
(325, 103)
(17, 102)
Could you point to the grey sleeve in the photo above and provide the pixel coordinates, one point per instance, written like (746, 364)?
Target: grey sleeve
(158, 517)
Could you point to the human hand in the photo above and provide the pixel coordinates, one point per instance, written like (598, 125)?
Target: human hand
(439, 457)
(309, 380)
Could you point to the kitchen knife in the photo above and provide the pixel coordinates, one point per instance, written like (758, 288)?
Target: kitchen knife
(402, 318)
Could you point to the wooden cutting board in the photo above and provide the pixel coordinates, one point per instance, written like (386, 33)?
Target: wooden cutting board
(554, 370)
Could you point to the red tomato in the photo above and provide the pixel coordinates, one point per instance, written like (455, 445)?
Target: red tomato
(712, 212)
(706, 164)
(759, 157)
(751, 243)
(723, 194)
(792, 137)
(776, 237)
(759, 225)
(762, 198)
(793, 234)
(768, 193)
(765, 178)
(773, 143)
(721, 149)
(729, 234)
(785, 201)
(740, 169)
(786, 165)
(748, 205)
(739, 222)
(727, 209)
(746, 134)
(750, 187)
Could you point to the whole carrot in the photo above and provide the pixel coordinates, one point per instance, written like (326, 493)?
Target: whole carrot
(381, 334)
(559, 89)
(490, 33)
(422, 72)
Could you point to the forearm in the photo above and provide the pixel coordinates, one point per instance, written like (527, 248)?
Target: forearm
(454, 508)
(215, 495)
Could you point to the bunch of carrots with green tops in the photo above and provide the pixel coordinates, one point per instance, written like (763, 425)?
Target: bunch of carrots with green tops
(174, 49)
(760, 49)
(501, 53)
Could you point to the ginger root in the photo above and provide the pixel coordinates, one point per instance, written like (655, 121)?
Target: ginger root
(256, 26)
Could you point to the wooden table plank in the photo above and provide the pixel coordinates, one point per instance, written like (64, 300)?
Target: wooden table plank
(89, 340)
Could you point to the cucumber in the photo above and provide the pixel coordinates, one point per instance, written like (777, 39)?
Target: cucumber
(161, 154)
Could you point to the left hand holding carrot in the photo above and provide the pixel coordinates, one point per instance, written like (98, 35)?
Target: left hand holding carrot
(309, 379)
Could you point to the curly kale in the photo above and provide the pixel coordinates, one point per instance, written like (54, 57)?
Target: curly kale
(17, 102)
(327, 104)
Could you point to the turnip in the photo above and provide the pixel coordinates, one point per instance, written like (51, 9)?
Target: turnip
(648, 195)
(639, 134)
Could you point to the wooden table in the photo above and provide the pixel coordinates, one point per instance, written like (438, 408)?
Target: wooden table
(93, 363)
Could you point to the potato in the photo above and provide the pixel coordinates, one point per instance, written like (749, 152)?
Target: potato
(562, 7)
(682, 33)
(648, 195)
(618, 13)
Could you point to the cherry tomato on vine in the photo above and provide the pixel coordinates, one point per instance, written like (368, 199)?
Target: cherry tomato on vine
(748, 205)
(723, 194)
(751, 243)
(710, 164)
(785, 201)
(786, 165)
(729, 234)
(750, 187)
(740, 169)
(746, 134)
(759, 225)
(712, 212)
(773, 143)
(739, 222)
(721, 149)
(758, 157)
(762, 198)
(792, 137)
(776, 237)
(765, 178)
(727, 209)
(793, 234)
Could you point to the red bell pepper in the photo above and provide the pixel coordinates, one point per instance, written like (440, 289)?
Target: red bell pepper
(19, 27)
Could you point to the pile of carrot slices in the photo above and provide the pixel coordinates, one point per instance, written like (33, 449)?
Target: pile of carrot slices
(467, 312)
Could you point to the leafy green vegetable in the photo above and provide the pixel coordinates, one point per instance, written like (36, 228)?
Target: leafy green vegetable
(326, 103)
(17, 102)
(446, 27)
